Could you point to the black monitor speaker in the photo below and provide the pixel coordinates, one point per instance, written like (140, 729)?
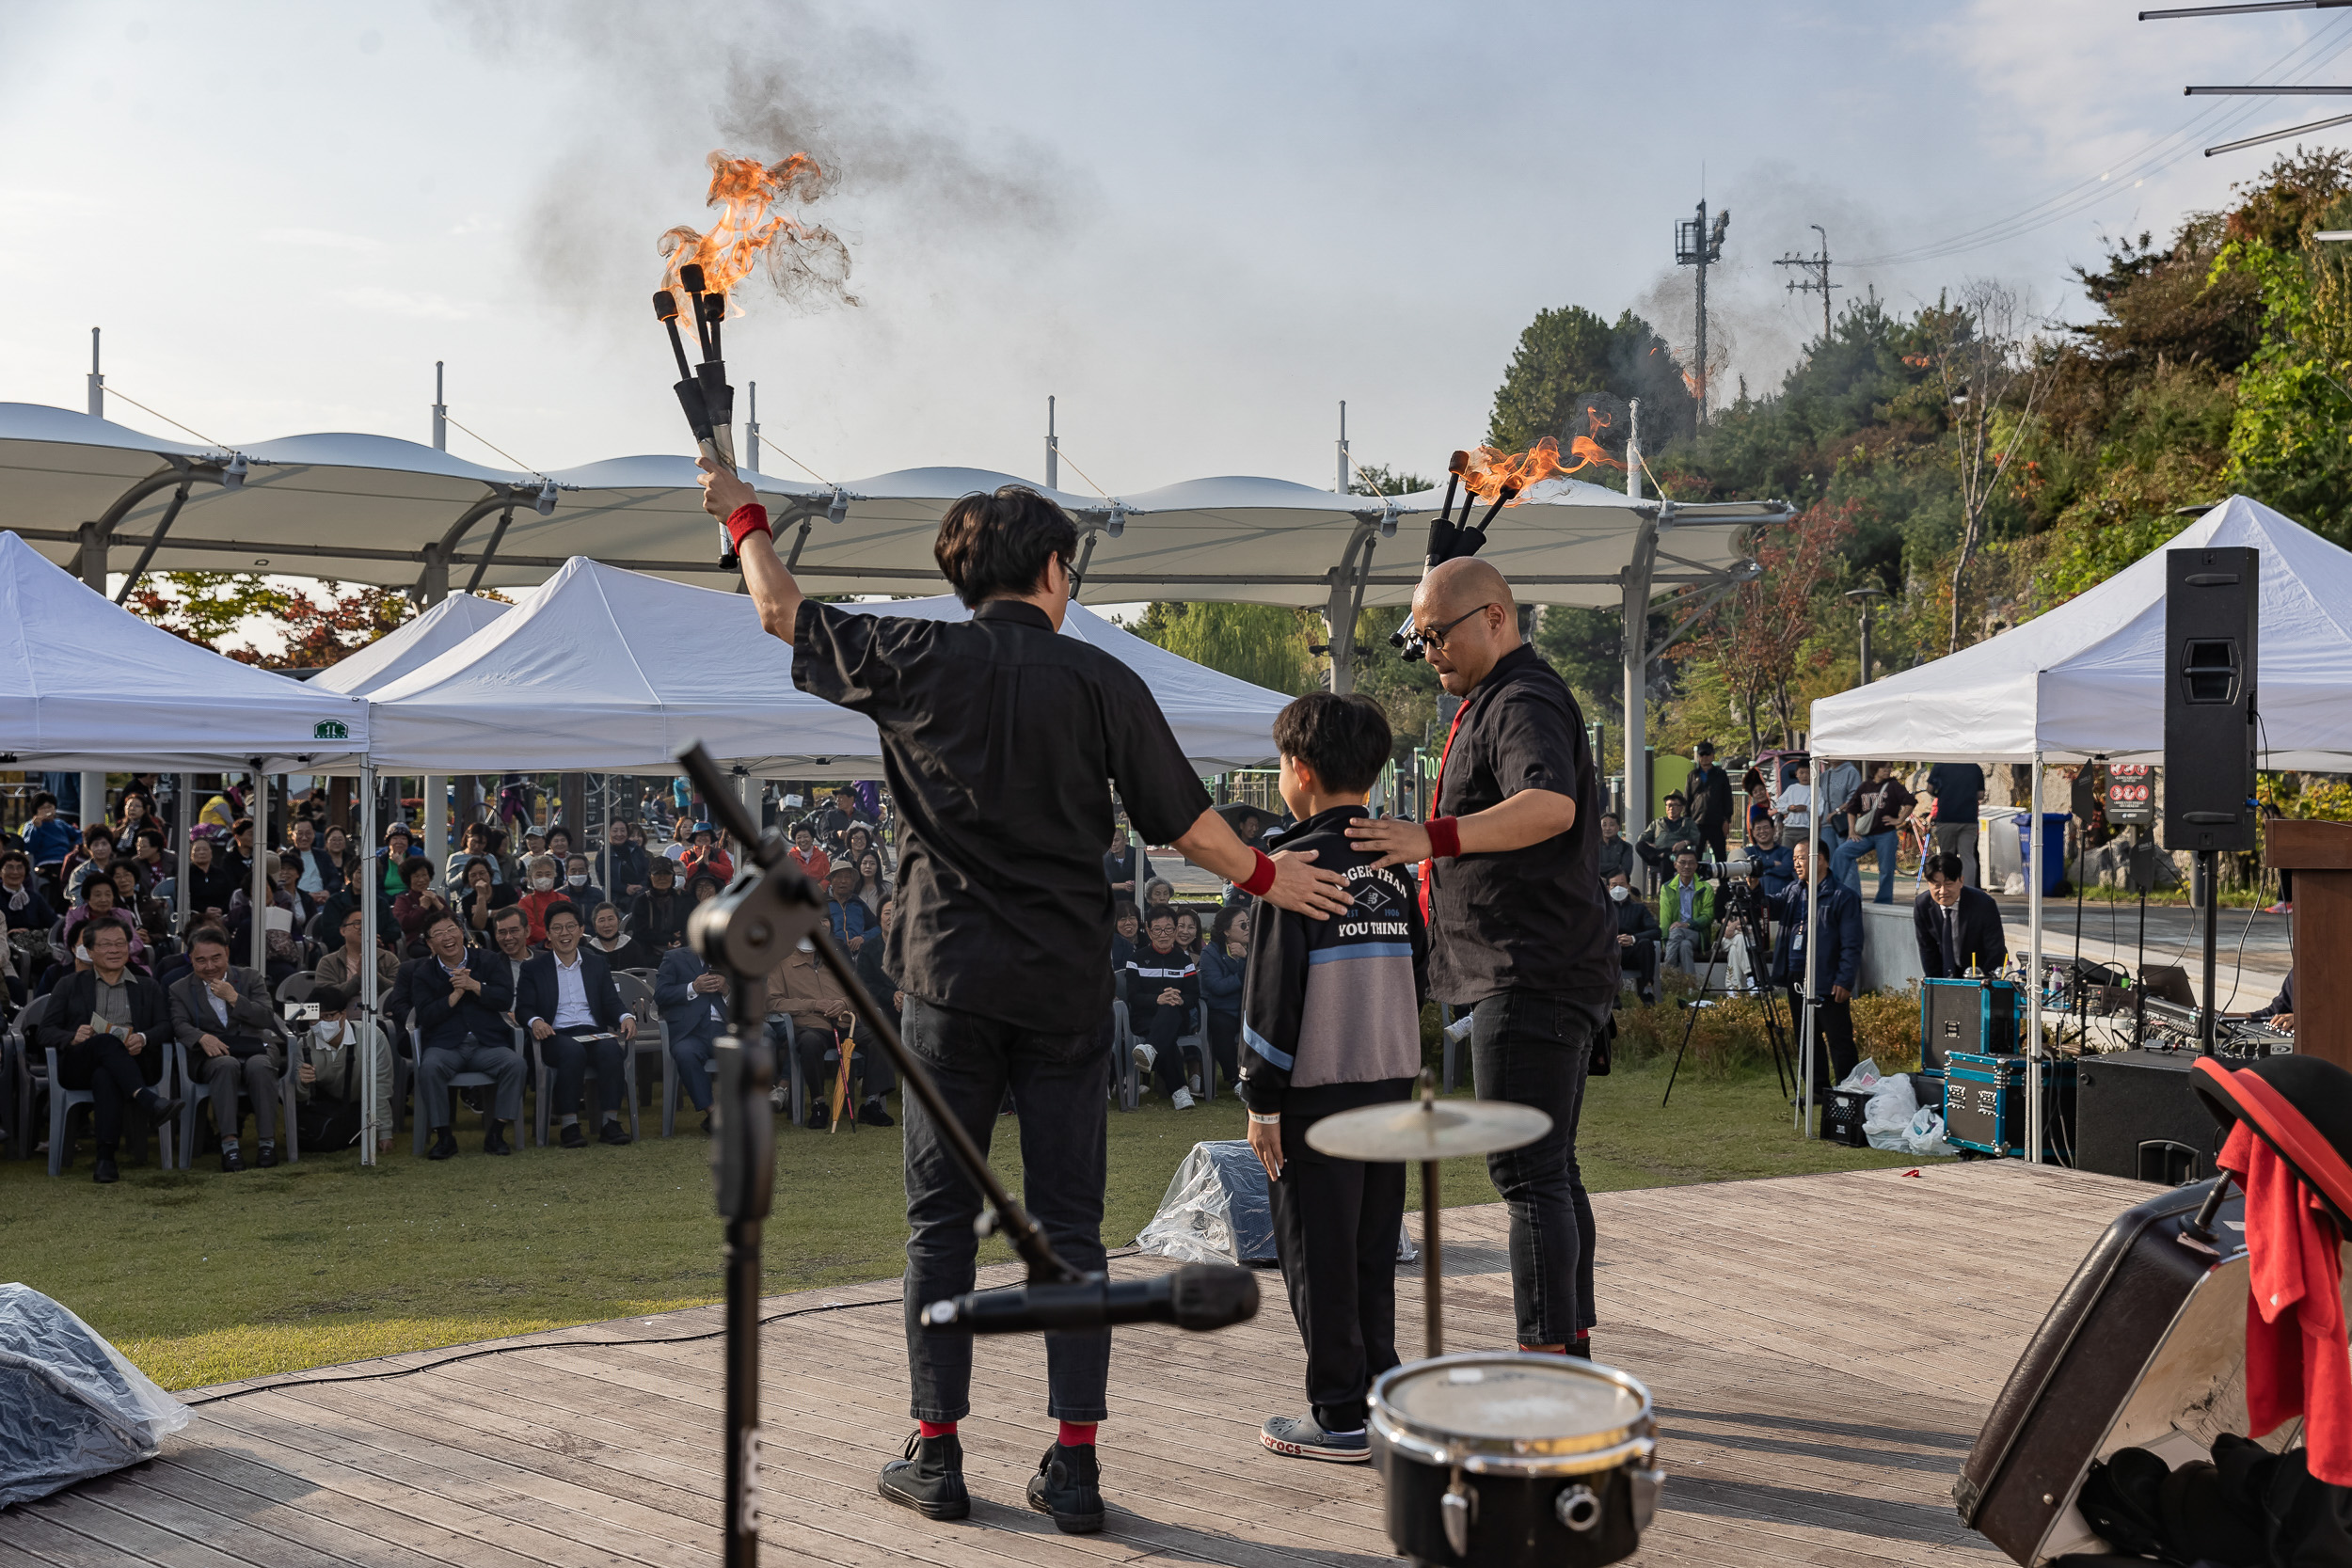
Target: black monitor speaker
(2211, 612)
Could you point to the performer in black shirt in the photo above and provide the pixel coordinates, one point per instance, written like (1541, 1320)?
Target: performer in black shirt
(1002, 741)
(1518, 927)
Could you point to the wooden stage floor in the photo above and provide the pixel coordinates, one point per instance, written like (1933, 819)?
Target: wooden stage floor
(1822, 1349)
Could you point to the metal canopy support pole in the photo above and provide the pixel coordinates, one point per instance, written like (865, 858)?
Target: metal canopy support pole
(1808, 1033)
(1636, 641)
(1345, 602)
(371, 885)
(257, 877)
(2033, 973)
(497, 537)
(436, 842)
(183, 829)
(154, 541)
(434, 582)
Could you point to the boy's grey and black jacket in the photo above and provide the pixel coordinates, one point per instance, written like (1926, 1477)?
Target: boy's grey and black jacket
(1331, 1008)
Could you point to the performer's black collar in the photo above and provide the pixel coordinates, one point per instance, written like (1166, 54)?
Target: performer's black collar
(1505, 667)
(1019, 610)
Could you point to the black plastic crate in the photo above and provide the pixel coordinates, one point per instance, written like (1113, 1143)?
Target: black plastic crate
(1841, 1117)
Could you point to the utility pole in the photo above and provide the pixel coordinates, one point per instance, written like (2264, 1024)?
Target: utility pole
(97, 382)
(1341, 486)
(1816, 280)
(1053, 450)
(1697, 246)
(440, 412)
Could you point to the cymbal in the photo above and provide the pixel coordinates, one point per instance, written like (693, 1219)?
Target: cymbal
(1428, 1130)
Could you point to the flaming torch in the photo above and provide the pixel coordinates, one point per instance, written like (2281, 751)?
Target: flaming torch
(801, 259)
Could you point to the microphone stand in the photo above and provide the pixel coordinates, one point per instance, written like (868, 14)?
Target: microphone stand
(745, 932)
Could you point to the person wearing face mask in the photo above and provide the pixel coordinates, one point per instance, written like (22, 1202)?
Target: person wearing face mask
(333, 1066)
(1637, 937)
(540, 894)
(577, 886)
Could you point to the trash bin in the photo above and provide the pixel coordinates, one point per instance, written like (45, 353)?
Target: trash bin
(2050, 853)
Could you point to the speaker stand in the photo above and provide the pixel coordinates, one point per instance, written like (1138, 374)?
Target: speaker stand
(2208, 868)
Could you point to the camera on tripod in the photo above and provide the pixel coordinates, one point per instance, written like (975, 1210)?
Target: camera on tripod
(1740, 893)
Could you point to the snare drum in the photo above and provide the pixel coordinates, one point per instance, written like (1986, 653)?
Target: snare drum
(1507, 1459)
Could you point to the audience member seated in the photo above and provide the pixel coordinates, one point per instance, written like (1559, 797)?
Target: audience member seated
(559, 843)
(1686, 908)
(578, 888)
(109, 1025)
(1637, 936)
(480, 896)
(459, 999)
(681, 838)
(1224, 958)
(1771, 857)
(1616, 852)
(849, 917)
(213, 883)
(148, 914)
(340, 968)
(151, 854)
(804, 853)
(222, 1017)
(417, 902)
(400, 846)
(96, 860)
(873, 888)
(626, 863)
(139, 815)
(693, 1002)
(658, 918)
(1958, 926)
(708, 854)
(873, 963)
(1162, 986)
(1157, 895)
(48, 837)
(540, 894)
(97, 903)
(315, 871)
(475, 846)
(817, 1018)
(238, 851)
(510, 942)
(1126, 929)
(340, 853)
(1662, 839)
(332, 1065)
(289, 914)
(572, 1008)
(21, 903)
(857, 841)
(619, 950)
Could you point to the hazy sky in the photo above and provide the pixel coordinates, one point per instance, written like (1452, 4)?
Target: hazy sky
(1199, 225)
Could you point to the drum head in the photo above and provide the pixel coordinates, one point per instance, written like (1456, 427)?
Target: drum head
(1517, 1400)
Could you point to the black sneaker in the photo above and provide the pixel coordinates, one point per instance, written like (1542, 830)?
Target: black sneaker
(231, 1159)
(613, 1133)
(875, 1113)
(269, 1158)
(1304, 1438)
(444, 1145)
(1068, 1485)
(573, 1137)
(103, 1169)
(930, 1480)
(493, 1141)
(819, 1118)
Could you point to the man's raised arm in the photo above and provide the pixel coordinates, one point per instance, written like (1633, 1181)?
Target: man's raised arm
(1298, 885)
(773, 589)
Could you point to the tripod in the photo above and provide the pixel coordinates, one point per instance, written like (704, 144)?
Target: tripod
(1784, 1068)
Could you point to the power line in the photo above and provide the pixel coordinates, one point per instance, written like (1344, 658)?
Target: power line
(1816, 280)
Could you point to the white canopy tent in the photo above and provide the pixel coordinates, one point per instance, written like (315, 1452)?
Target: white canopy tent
(614, 671)
(2086, 681)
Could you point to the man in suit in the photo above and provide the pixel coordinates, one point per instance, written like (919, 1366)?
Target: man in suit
(222, 1017)
(1835, 961)
(693, 1002)
(572, 1008)
(1958, 926)
(109, 1024)
(458, 1001)
(1637, 936)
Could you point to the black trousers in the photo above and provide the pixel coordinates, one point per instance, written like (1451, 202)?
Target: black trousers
(810, 1042)
(1062, 1082)
(1833, 1041)
(114, 1078)
(1225, 1045)
(1712, 837)
(572, 1056)
(1642, 959)
(1168, 1065)
(1335, 1230)
(1533, 1049)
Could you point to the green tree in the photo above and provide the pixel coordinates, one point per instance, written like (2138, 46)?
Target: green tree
(2291, 439)
(1567, 354)
(1378, 479)
(1262, 645)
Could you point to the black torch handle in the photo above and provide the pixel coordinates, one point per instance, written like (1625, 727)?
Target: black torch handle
(767, 852)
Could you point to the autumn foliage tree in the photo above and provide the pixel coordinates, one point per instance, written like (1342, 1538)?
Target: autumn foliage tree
(1757, 634)
(319, 627)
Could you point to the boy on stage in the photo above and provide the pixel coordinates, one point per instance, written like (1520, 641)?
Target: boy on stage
(1331, 1021)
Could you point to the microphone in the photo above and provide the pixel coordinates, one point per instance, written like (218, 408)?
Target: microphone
(1197, 1297)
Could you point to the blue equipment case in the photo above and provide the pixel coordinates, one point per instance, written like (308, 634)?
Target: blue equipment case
(1966, 1015)
(1984, 1104)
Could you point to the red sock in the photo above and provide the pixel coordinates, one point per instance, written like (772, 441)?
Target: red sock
(937, 1429)
(1077, 1435)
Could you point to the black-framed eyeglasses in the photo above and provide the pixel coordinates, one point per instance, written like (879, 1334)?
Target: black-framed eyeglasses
(1435, 636)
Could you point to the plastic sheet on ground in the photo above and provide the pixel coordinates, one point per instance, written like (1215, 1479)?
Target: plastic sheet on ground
(71, 1406)
(1865, 1075)
(1216, 1210)
(1887, 1116)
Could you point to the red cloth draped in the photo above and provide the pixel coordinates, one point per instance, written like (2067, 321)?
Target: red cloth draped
(2297, 1359)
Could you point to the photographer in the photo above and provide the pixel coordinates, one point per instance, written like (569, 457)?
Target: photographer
(1740, 899)
(1002, 741)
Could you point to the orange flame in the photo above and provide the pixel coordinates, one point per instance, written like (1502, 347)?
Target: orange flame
(1489, 470)
(802, 258)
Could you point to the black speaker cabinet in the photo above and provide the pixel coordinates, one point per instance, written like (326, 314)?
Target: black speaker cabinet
(2137, 1116)
(2212, 613)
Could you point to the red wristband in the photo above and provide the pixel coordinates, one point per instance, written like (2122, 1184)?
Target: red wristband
(1445, 837)
(1260, 881)
(749, 518)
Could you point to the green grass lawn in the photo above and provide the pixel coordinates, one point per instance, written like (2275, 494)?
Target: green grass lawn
(201, 1278)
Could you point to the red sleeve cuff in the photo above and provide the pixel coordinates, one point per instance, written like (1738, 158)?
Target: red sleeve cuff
(1259, 881)
(1445, 837)
(744, 520)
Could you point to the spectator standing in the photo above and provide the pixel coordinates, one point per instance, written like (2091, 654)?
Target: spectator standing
(1162, 987)
(1794, 806)
(619, 949)
(1959, 927)
(1835, 960)
(1834, 785)
(1615, 850)
(108, 1024)
(334, 1059)
(1874, 813)
(1709, 790)
(1686, 907)
(1637, 937)
(1224, 963)
(1958, 790)
(658, 918)
(459, 999)
(1667, 836)
(693, 999)
(230, 1037)
(568, 1003)
(1126, 866)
